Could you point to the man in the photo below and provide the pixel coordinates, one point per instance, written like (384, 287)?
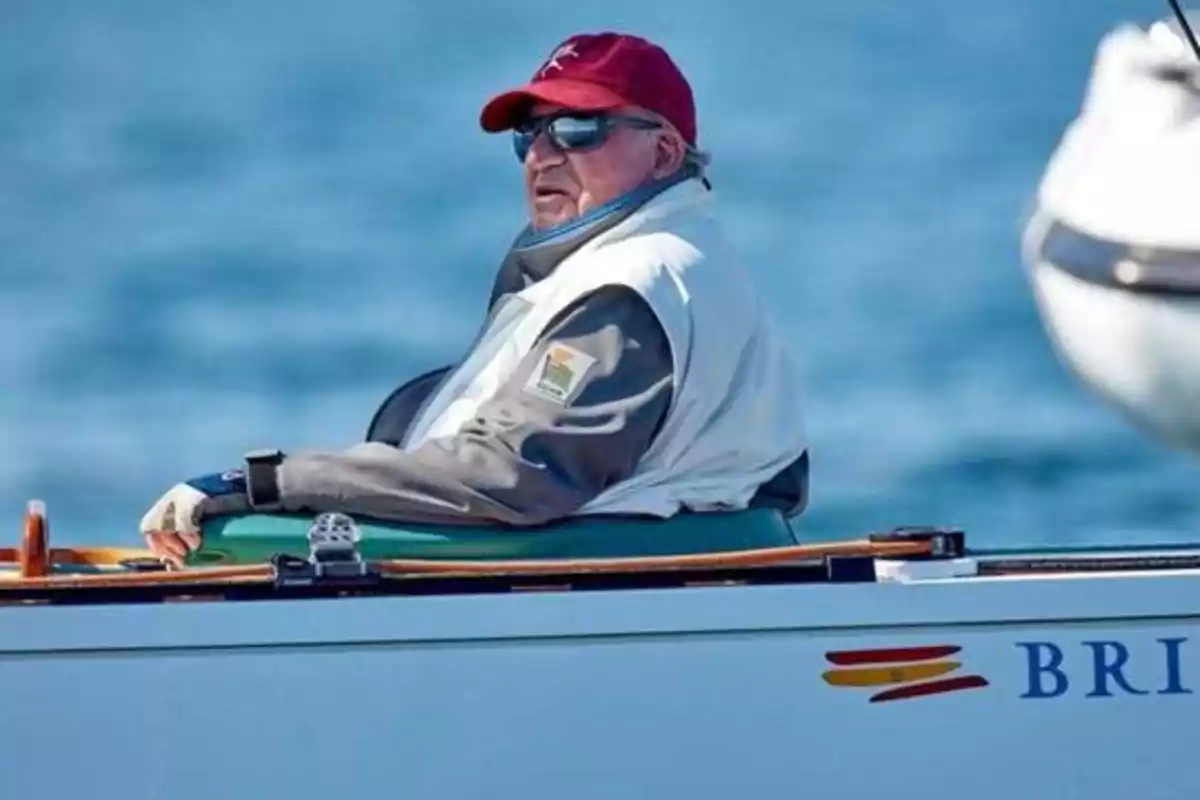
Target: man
(625, 365)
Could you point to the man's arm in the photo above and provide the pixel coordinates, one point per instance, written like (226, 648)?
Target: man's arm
(555, 435)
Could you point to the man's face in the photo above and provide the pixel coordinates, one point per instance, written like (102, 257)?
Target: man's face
(561, 186)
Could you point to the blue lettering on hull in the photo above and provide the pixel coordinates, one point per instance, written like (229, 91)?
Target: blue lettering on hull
(1174, 684)
(1104, 668)
(1105, 671)
(1045, 658)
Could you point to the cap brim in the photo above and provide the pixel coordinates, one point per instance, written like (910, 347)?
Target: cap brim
(505, 110)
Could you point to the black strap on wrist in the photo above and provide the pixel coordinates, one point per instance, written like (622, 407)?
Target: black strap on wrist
(262, 478)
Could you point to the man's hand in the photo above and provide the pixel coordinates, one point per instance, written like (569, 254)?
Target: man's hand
(172, 525)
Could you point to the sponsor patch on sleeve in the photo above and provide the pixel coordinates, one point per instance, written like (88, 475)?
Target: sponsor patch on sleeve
(560, 372)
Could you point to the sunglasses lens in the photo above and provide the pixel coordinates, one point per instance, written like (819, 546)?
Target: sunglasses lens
(576, 133)
(566, 133)
(522, 141)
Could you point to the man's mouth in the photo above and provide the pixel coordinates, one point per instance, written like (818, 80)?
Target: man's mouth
(548, 192)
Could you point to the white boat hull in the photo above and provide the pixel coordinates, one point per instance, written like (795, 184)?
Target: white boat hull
(1090, 691)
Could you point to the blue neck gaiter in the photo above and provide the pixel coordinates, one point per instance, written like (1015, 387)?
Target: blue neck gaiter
(536, 253)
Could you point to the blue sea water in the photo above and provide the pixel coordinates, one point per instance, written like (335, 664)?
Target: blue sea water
(238, 224)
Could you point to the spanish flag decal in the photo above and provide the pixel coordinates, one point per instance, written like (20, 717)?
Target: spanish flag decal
(910, 671)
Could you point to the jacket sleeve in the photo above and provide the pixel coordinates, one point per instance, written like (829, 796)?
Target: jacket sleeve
(575, 417)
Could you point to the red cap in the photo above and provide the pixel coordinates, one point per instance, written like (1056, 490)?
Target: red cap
(597, 72)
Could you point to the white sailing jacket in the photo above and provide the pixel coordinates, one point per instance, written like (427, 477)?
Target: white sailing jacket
(736, 414)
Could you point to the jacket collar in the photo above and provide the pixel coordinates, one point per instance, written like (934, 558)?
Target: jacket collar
(536, 254)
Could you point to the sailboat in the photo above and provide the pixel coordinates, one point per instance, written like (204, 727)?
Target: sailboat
(1113, 247)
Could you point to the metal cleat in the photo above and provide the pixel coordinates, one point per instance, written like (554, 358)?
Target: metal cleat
(333, 556)
(333, 537)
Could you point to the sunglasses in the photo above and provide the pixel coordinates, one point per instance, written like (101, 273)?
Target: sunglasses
(573, 132)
